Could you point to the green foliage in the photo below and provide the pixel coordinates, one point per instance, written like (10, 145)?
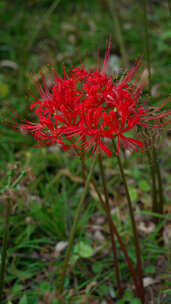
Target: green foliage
(23, 300)
(144, 185)
(133, 194)
(128, 298)
(45, 198)
(83, 250)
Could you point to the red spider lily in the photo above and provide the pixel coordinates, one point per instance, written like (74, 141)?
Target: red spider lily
(86, 108)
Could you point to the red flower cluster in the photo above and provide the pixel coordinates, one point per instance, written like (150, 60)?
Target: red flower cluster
(84, 109)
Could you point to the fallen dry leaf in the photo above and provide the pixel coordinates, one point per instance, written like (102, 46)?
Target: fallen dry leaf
(167, 233)
(149, 281)
(146, 227)
(60, 246)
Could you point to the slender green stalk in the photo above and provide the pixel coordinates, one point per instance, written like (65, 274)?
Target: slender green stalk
(131, 212)
(71, 239)
(120, 290)
(42, 22)
(4, 247)
(26, 47)
(115, 231)
(159, 205)
(154, 188)
(147, 44)
(169, 5)
(83, 168)
(113, 10)
(160, 186)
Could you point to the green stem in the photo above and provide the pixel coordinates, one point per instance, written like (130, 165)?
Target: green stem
(82, 158)
(131, 212)
(153, 177)
(4, 247)
(43, 20)
(26, 47)
(147, 45)
(76, 219)
(85, 169)
(115, 231)
(110, 227)
(169, 5)
(114, 12)
(159, 207)
(160, 186)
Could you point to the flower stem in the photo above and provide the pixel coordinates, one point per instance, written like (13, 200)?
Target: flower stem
(85, 169)
(71, 239)
(120, 290)
(82, 158)
(4, 247)
(131, 212)
(115, 231)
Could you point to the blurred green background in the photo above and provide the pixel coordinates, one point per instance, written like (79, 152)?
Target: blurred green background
(36, 35)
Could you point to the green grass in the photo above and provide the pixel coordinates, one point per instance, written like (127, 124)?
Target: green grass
(36, 34)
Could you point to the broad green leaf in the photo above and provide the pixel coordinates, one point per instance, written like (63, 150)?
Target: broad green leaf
(83, 250)
(97, 267)
(44, 286)
(144, 185)
(104, 290)
(150, 269)
(4, 90)
(120, 301)
(135, 301)
(23, 300)
(133, 194)
(17, 288)
(32, 300)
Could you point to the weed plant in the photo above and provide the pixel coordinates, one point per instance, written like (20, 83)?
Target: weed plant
(35, 35)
